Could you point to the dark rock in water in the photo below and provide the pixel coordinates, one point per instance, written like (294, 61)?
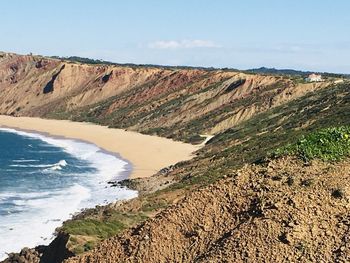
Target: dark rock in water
(26, 255)
(56, 252)
(129, 183)
(113, 183)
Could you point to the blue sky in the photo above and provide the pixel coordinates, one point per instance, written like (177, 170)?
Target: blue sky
(300, 34)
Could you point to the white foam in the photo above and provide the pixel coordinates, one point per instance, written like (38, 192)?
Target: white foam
(58, 166)
(55, 166)
(44, 216)
(45, 211)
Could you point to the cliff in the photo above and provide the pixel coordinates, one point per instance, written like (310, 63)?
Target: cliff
(233, 202)
(176, 103)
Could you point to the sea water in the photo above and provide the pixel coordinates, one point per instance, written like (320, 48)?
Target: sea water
(45, 180)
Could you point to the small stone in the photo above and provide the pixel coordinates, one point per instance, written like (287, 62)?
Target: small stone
(291, 224)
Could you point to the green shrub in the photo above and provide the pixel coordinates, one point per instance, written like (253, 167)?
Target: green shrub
(330, 144)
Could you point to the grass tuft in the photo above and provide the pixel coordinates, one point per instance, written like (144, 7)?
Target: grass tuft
(90, 227)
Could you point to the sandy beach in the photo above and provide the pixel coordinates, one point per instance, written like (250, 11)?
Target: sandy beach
(147, 154)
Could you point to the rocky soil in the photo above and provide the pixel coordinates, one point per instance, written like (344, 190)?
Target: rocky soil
(279, 211)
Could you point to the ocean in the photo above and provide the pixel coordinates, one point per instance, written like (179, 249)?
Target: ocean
(45, 180)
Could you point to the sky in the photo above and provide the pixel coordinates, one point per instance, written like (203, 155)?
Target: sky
(299, 34)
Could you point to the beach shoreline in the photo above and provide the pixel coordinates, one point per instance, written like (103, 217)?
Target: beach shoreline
(145, 154)
(42, 206)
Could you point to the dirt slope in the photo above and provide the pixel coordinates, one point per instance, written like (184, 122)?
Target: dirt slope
(281, 211)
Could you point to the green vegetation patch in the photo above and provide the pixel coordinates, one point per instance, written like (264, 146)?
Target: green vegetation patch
(330, 144)
(91, 227)
(86, 233)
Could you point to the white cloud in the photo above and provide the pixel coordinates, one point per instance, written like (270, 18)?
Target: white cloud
(174, 44)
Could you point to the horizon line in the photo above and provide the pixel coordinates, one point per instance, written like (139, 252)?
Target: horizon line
(106, 62)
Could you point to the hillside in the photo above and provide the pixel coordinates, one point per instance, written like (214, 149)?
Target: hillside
(180, 104)
(230, 202)
(279, 212)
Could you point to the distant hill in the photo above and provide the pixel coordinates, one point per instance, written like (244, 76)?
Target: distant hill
(131, 65)
(292, 72)
(265, 70)
(261, 70)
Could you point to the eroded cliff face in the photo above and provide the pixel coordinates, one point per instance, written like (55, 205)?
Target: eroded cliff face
(32, 85)
(174, 103)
